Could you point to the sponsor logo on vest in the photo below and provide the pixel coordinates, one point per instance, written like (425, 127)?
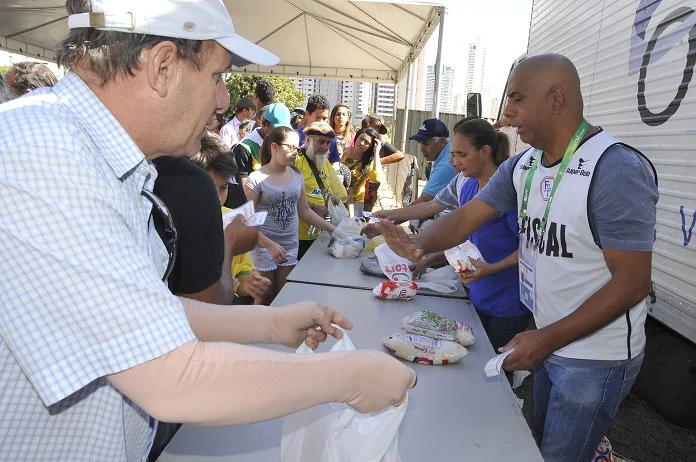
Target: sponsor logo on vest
(545, 188)
(529, 165)
(316, 192)
(579, 170)
(554, 244)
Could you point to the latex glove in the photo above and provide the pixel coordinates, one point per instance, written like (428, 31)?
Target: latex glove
(482, 270)
(532, 347)
(400, 242)
(380, 381)
(240, 238)
(297, 323)
(277, 253)
(258, 285)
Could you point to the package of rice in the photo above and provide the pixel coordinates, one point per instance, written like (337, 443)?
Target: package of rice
(460, 257)
(436, 326)
(395, 290)
(424, 350)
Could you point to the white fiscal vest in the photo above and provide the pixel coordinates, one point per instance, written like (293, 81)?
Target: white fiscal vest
(570, 266)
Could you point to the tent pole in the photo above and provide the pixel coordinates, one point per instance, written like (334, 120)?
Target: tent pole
(406, 107)
(438, 65)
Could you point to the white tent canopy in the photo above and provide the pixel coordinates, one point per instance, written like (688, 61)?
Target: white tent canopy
(339, 39)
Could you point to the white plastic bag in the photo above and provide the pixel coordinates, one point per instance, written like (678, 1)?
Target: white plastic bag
(398, 269)
(337, 211)
(346, 241)
(338, 433)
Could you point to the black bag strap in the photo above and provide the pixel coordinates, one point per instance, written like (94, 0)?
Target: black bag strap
(315, 172)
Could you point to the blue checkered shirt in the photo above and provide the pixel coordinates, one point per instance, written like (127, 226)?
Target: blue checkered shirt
(81, 295)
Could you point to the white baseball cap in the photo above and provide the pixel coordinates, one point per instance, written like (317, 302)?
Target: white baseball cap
(185, 19)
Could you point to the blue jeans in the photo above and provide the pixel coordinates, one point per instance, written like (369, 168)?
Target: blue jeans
(575, 402)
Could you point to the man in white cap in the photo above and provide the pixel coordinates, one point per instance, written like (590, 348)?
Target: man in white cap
(93, 346)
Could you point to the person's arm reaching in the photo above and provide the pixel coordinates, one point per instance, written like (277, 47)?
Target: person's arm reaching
(391, 154)
(445, 232)
(484, 269)
(497, 197)
(412, 212)
(218, 383)
(424, 197)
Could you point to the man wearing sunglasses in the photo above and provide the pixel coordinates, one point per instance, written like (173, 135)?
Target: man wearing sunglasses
(93, 346)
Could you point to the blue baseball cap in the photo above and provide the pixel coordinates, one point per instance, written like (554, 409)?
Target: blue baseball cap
(278, 115)
(430, 128)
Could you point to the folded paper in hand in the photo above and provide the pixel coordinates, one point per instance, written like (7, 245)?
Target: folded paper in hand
(251, 218)
(495, 365)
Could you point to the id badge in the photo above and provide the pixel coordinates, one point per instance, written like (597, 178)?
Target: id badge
(527, 268)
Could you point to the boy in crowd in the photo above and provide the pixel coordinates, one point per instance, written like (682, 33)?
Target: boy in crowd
(216, 159)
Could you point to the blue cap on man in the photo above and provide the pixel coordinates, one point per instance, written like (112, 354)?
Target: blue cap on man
(278, 115)
(429, 129)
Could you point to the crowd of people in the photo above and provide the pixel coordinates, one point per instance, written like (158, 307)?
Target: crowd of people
(115, 229)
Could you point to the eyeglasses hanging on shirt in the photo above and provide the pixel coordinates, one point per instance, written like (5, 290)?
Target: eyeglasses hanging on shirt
(164, 224)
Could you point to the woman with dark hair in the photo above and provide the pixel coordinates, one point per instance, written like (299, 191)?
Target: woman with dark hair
(493, 286)
(278, 188)
(364, 163)
(340, 122)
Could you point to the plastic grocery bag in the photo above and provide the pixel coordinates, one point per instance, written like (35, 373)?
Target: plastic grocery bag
(346, 241)
(338, 433)
(398, 269)
(337, 211)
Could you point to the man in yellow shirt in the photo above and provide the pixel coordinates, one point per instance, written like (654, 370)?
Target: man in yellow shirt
(320, 179)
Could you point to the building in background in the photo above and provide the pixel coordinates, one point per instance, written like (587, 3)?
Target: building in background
(383, 95)
(446, 93)
(495, 105)
(420, 81)
(476, 75)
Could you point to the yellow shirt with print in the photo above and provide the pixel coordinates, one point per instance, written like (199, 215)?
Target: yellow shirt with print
(313, 191)
(241, 264)
(360, 176)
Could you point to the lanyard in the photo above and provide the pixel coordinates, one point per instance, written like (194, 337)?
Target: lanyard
(570, 150)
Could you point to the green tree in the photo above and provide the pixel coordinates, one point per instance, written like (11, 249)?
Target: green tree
(243, 85)
(4, 69)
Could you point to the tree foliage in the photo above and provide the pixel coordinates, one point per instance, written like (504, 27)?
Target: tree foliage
(4, 69)
(243, 85)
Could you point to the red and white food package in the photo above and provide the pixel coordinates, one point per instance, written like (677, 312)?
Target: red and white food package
(460, 257)
(424, 350)
(395, 290)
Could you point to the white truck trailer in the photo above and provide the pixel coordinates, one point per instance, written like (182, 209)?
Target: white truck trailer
(636, 61)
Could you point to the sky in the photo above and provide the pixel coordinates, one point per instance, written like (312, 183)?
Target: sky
(502, 26)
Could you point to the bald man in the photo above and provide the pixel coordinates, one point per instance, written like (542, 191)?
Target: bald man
(584, 270)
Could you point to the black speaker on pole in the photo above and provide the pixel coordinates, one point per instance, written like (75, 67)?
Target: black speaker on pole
(473, 105)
